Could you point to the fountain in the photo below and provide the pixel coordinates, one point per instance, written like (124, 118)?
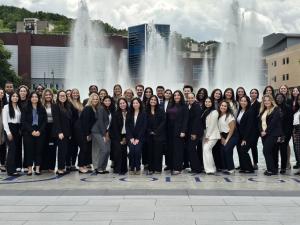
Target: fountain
(205, 74)
(89, 61)
(161, 64)
(239, 57)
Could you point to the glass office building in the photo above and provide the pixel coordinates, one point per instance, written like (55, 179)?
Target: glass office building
(137, 43)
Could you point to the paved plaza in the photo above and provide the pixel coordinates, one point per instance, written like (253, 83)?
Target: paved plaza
(90, 199)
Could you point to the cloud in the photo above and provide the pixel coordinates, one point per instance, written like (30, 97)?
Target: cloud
(199, 19)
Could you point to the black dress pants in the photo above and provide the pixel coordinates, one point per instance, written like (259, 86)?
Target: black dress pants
(50, 146)
(155, 148)
(14, 146)
(269, 143)
(175, 152)
(244, 157)
(120, 156)
(282, 148)
(195, 155)
(34, 149)
(63, 146)
(2, 154)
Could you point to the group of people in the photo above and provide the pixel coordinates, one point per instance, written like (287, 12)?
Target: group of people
(42, 131)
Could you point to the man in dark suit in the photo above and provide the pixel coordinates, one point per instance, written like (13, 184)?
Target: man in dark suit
(160, 91)
(194, 135)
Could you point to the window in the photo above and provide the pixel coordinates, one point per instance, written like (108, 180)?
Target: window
(287, 60)
(197, 70)
(283, 77)
(274, 78)
(275, 63)
(287, 76)
(283, 61)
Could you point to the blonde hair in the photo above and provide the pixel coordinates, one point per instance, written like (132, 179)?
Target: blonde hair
(43, 96)
(76, 103)
(262, 105)
(89, 103)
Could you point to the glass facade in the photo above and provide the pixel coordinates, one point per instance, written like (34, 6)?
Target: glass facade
(137, 43)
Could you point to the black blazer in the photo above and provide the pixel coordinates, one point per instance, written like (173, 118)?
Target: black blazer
(115, 129)
(274, 128)
(181, 120)
(157, 125)
(287, 118)
(26, 120)
(62, 121)
(86, 121)
(246, 128)
(255, 107)
(138, 130)
(195, 123)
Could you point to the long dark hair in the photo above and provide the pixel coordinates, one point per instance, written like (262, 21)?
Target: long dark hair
(237, 98)
(297, 106)
(111, 108)
(66, 106)
(139, 101)
(248, 105)
(2, 100)
(254, 89)
(11, 109)
(181, 98)
(207, 111)
(272, 89)
(118, 103)
(146, 100)
(212, 96)
(148, 107)
(39, 104)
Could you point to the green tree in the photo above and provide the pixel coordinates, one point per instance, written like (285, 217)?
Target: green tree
(6, 71)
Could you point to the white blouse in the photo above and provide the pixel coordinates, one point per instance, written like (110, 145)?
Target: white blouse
(224, 122)
(296, 118)
(6, 118)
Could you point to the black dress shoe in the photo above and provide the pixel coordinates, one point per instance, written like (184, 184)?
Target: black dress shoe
(167, 168)
(15, 174)
(38, 173)
(296, 167)
(282, 172)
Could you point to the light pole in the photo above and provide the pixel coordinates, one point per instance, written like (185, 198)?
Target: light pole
(44, 79)
(52, 72)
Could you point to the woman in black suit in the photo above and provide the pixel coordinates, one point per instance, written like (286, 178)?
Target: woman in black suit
(246, 129)
(270, 130)
(287, 129)
(177, 121)
(83, 132)
(194, 135)
(34, 120)
(155, 135)
(146, 97)
(62, 117)
(117, 134)
(136, 125)
(50, 141)
(255, 105)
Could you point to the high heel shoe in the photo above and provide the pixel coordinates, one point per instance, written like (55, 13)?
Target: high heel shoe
(38, 173)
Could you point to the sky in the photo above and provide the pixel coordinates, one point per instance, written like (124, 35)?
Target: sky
(200, 19)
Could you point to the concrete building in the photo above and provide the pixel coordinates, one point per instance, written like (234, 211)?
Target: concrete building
(33, 26)
(282, 55)
(41, 59)
(284, 67)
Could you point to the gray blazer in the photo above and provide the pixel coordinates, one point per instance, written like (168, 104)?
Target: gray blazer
(102, 121)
